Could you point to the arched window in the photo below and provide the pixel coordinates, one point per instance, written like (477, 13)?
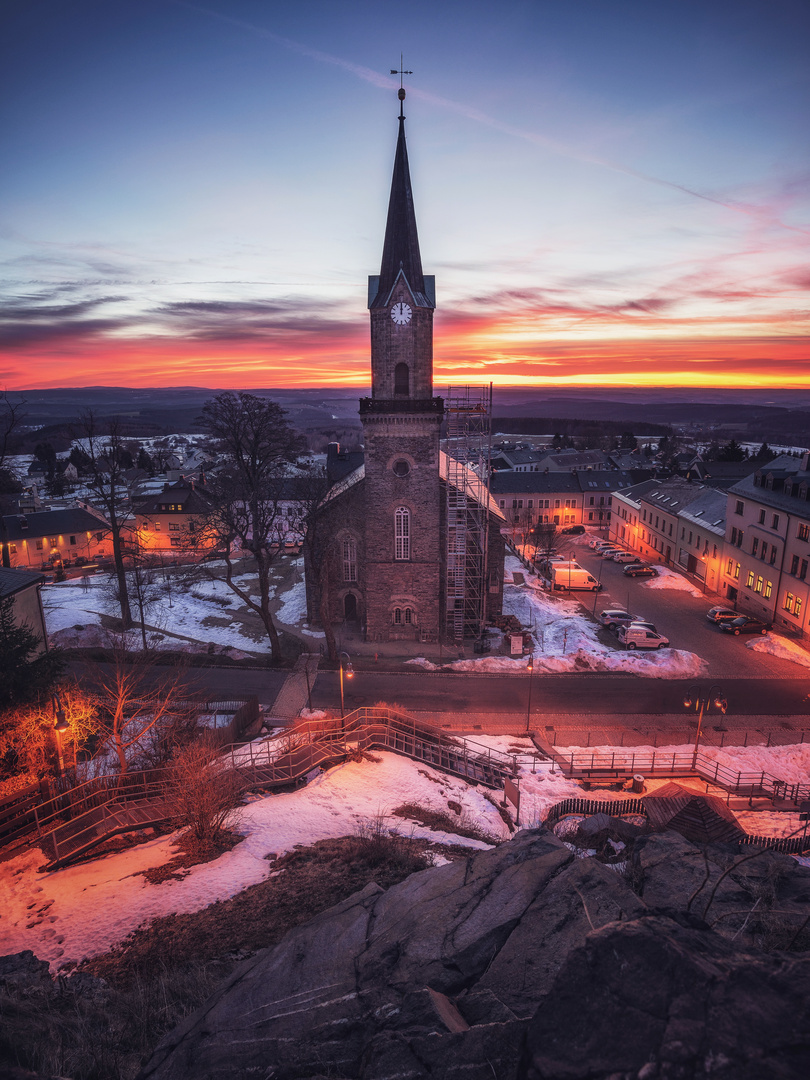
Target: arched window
(408, 615)
(402, 378)
(402, 533)
(349, 560)
(397, 616)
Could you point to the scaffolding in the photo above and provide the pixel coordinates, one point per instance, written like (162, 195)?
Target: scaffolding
(468, 410)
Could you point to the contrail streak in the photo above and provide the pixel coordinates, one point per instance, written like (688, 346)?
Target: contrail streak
(554, 146)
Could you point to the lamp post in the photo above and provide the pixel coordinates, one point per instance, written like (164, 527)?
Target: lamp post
(349, 670)
(702, 700)
(60, 726)
(530, 669)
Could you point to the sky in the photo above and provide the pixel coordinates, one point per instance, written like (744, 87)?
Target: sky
(609, 192)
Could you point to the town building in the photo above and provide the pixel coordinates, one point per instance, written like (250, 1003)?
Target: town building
(52, 538)
(767, 555)
(24, 587)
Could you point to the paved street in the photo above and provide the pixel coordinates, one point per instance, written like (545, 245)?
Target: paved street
(564, 695)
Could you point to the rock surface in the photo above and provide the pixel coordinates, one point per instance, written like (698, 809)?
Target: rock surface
(520, 963)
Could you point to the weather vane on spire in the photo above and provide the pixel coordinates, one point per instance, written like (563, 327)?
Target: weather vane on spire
(401, 72)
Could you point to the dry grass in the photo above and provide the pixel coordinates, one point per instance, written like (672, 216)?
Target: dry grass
(459, 824)
(164, 972)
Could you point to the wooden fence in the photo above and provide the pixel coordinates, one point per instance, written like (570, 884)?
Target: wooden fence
(787, 845)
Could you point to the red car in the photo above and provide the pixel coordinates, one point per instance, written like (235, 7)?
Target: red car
(744, 625)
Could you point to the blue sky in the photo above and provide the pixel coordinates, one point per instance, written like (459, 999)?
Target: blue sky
(607, 192)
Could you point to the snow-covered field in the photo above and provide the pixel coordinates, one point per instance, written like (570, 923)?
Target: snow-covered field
(203, 613)
(81, 911)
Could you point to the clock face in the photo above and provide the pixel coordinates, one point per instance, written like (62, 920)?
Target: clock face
(401, 314)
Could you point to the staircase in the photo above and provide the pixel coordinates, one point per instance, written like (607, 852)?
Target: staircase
(80, 818)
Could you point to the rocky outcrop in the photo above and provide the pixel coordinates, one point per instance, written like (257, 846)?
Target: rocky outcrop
(520, 962)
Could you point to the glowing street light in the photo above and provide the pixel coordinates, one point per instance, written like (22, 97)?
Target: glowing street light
(60, 726)
(712, 699)
(349, 672)
(530, 669)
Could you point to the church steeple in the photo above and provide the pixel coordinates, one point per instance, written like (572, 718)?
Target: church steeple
(401, 244)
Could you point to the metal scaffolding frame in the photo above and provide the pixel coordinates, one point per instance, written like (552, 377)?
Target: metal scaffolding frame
(468, 410)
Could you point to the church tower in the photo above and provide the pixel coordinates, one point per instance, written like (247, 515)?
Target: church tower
(401, 422)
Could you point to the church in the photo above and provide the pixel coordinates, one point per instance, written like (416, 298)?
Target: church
(414, 539)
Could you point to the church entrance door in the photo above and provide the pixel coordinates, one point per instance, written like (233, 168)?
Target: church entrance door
(350, 607)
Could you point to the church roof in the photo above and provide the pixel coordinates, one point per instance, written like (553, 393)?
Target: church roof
(401, 244)
(476, 489)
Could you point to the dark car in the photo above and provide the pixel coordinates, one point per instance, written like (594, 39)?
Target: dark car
(744, 624)
(574, 530)
(639, 570)
(721, 614)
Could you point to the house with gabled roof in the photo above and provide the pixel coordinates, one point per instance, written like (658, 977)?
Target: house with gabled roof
(49, 538)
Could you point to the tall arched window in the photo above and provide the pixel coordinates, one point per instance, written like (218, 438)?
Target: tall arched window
(402, 533)
(349, 560)
(402, 378)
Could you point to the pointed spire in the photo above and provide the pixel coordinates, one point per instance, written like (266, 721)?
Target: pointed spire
(401, 245)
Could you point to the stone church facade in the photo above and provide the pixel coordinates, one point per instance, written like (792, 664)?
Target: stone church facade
(387, 563)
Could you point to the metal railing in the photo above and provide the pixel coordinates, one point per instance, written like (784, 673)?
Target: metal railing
(754, 783)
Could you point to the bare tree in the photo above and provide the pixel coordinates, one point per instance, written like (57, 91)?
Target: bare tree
(103, 443)
(547, 539)
(147, 590)
(248, 495)
(137, 698)
(208, 791)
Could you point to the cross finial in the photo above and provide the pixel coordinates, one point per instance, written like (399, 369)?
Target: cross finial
(401, 72)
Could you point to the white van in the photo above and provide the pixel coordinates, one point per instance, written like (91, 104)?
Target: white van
(639, 637)
(572, 576)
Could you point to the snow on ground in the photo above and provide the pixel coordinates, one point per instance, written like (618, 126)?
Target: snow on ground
(97, 904)
(293, 610)
(782, 647)
(566, 639)
(94, 906)
(671, 579)
(83, 601)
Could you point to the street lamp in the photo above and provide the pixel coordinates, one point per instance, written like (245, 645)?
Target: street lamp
(60, 726)
(701, 700)
(530, 669)
(349, 675)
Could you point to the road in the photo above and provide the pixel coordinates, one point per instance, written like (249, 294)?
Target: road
(583, 693)
(223, 683)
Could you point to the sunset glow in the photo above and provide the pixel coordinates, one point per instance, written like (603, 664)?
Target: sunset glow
(607, 195)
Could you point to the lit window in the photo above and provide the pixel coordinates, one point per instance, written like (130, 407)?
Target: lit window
(789, 601)
(157, 526)
(750, 579)
(758, 586)
(402, 533)
(768, 590)
(797, 607)
(349, 560)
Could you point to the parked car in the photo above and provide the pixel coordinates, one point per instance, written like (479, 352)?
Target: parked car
(638, 622)
(624, 557)
(639, 570)
(574, 530)
(613, 617)
(607, 552)
(744, 624)
(635, 636)
(597, 543)
(719, 614)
